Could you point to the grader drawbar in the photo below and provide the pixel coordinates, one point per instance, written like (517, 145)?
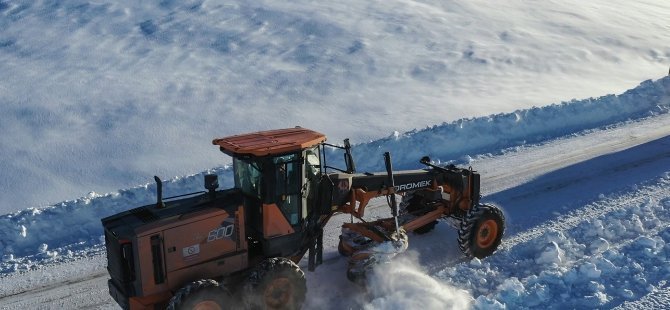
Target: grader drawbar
(239, 247)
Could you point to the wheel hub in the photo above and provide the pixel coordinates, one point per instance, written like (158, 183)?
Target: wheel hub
(278, 293)
(207, 305)
(487, 233)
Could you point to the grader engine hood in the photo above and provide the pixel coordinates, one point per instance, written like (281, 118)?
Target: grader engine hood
(150, 249)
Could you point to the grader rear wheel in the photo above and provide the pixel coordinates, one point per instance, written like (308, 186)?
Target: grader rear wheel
(277, 283)
(481, 231)
(201, 295)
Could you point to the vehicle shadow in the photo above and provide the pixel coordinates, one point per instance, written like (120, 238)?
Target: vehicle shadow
(553, 194)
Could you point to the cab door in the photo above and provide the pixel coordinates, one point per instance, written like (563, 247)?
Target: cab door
(281, 212)
(310, 180)
(288, 185)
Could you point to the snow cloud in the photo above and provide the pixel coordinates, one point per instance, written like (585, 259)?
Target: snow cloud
(402, 284)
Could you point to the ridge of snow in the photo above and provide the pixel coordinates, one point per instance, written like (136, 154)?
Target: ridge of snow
(458, 140)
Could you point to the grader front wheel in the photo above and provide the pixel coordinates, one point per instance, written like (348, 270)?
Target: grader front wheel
(481, 231)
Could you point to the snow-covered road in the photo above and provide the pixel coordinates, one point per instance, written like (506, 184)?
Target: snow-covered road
(553, 194)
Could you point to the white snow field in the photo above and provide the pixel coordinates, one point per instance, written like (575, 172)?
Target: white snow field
(99, 95)
(102, 95)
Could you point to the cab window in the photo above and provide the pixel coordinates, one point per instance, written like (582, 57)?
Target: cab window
(312, 163)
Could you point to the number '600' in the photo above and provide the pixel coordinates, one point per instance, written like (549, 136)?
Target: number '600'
(221, 232)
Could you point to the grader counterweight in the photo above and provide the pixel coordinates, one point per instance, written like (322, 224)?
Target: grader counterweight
(240, 247)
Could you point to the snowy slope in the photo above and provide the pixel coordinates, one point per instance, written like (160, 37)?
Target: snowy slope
(101, 95)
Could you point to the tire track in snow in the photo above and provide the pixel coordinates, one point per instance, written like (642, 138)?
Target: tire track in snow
(657, 299)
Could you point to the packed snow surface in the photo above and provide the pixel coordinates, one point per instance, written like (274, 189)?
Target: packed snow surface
(102, 95)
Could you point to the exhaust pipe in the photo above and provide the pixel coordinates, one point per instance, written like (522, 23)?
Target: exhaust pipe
(159, 193)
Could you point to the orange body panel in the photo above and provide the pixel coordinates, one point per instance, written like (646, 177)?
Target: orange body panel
(362, 229)
(270, 142)
(425, 219)
(149, 302)
(274, 222)
(205, 241)
(211, 269)
(156, 227)
(229, 254)
(191, 244)
(149, 286)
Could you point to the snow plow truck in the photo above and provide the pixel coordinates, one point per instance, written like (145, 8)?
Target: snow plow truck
(240, 247)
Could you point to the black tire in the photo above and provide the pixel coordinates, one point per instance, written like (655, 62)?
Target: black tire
(481, 231)
(277, 283)
(358, 278)
(201, 294)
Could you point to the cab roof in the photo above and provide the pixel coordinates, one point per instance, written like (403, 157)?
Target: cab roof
(271, 142)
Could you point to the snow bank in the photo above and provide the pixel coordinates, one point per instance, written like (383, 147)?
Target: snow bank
(458, 140)
(599, 262)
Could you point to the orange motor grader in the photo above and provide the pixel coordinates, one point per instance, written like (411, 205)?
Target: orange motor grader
(239, 247)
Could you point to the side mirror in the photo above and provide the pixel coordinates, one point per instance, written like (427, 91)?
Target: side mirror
(425, 160)
(211, 182)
